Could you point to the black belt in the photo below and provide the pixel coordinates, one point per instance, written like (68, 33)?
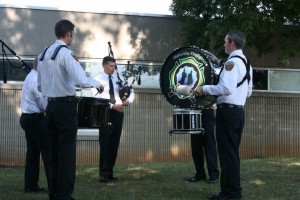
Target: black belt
(227, 105)
(67, 98)
(32, 114)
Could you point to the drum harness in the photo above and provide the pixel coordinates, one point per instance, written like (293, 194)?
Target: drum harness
(54, 53)
(247, 75)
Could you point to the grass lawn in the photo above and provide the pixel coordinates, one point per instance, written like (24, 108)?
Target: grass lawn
(261, 179)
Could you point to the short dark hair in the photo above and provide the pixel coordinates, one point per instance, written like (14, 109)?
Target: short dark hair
(62, 27)
(238, 37)
(107, 59)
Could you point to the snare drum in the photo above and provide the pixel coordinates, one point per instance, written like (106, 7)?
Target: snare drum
(93, 112)
(187, 121)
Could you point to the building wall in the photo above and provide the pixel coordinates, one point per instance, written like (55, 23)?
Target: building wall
(133, 37)
(271, 129)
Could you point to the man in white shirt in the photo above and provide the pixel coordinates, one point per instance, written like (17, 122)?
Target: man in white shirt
(59, 72)
(109, 138)
(234, 87)
(33, 121)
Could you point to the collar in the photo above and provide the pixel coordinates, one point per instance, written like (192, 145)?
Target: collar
(107, 75)
(58, 41)
(33, 71)
(236, 52)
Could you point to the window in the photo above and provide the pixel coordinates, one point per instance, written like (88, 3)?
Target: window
(264, 79)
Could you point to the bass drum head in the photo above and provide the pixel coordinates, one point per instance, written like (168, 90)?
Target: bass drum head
(187, 66)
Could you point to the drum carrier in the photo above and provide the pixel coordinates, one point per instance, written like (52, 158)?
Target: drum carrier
(189, 67)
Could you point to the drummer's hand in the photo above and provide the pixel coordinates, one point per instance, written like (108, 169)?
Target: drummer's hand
(100, 89)
(118, 107)
(125, 103)
(199, 91)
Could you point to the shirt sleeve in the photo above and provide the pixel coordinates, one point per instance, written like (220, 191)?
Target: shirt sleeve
(39, 88)
(76, 72)
(41, 100)
(250, 85)
(227, 81)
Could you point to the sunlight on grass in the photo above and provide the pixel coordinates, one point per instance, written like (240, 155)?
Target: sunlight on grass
(275, 163)
(294, 164)
(257, 182)
(90, 170)
(135, 168)
(142, 169)
(287, 162)
(140, 172)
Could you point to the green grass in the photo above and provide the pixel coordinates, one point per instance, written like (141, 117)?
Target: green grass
(261, 179)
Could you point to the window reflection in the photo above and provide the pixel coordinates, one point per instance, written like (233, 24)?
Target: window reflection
(281, 80)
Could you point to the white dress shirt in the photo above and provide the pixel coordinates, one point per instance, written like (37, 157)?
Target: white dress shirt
(227, 89)
(32, 101)
(103, 78)
(57, 78)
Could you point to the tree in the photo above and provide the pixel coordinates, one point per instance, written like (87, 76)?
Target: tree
(205, 23)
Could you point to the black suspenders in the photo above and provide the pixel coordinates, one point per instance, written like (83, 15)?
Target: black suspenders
(247, 75)
(54, 53)
(43, 54)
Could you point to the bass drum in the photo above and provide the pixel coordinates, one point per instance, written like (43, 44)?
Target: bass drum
(193, 67)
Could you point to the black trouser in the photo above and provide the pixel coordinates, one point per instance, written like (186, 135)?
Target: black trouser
(62, 126)
(229, 128)
(109, 140)
(205, 144)
(35, 129)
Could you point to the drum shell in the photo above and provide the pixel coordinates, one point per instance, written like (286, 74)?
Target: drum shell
(187, 121)
(93, 112)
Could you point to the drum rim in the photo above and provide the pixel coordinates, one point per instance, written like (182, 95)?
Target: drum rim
(183, 111)
(93, 98)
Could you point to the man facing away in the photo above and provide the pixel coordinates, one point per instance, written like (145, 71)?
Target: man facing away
(59, 72)
(33, 121)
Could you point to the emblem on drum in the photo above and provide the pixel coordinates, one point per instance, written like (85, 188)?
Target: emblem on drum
(187, 71)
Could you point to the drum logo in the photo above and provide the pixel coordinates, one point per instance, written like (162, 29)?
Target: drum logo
(187, 72)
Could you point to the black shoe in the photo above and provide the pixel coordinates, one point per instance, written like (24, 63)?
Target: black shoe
(219, 197)
(222, 196)
(104, 179)
(213, 180)
(36, 189)
(197, 178)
